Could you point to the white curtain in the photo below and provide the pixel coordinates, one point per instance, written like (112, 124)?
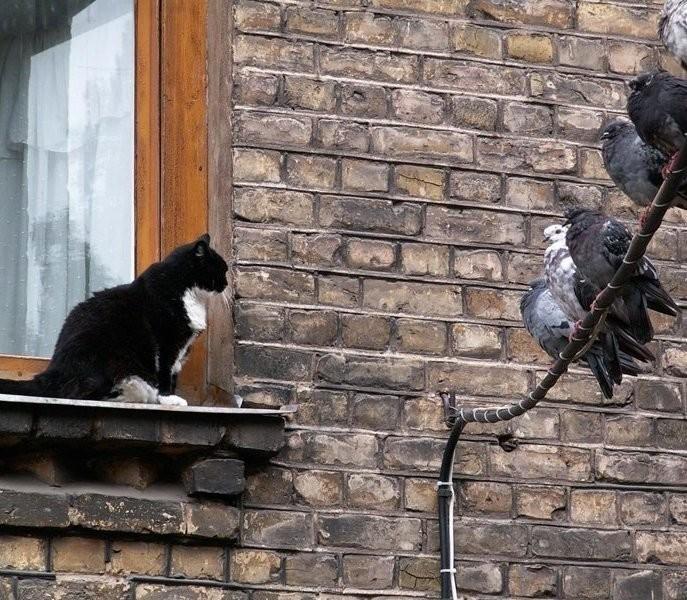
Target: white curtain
(66, 166)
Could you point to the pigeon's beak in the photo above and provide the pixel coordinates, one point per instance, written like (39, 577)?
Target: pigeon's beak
(605, 135)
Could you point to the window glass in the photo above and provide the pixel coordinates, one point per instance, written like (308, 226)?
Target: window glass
(66, 161)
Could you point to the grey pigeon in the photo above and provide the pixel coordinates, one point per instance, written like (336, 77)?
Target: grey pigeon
(550, 327)
(635, 167)
(657, 108)
(672, 29)
(575, 295)
(597, 245)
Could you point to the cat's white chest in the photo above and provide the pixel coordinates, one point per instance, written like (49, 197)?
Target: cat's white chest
(195, 300)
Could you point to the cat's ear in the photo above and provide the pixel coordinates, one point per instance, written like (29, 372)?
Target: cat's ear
(202, 245)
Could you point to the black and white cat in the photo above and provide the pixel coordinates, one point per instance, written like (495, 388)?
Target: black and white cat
(129, 342)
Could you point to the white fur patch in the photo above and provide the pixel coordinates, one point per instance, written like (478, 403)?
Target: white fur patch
(172, 401)
(134, 389)
(183, 355)
(194, 300)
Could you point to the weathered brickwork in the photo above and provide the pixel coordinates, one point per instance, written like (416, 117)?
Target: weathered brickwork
(396, 162)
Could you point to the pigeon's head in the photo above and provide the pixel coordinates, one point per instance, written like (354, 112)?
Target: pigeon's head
(639, 83)
(555, 233)
(616, 128)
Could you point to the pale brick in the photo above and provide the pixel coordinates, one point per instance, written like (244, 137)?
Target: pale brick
(480, 380)
(316, 249)
(668, 548)
(480, 41)
(316, 21)
(543, 462)
(389, 373)
(417, 106)
(338, 291)
(369, 532)
(368, 490)
(475, 187)
(365, 176)
(641, 508)
(525, 155)
(631, 59)
(593, 507)
(482, 265)
(319, 488)
(138, 557)
(462, 75)
(256, 89)
(492, 538)
(493, 304)
(552, 13)
(478, 341)
(586, 544)
(422, 182)
(485, 498)
(529, 194)
(357, 449)
(585, 53)
(363, 64)
(442, 7)
(421, 495)
(409, 142)
(343, 135)
(532, 581)
(369, 28)
(542, 503)
(423, 414)
(372, 411)
(368, 572)
(380, 216)
(274, 284)
(578, 124)
(78, 555)
(527, 118)
(575, 89)
(474, 226)
(257, 15)
(273, 52)
(310, 171)
(419, 574)
(425, 259)
(363, 100)
(254, 566)
(22, 554)
(309, 94)
(616, 19)
(412, 298)
(587, 583)
(420, 34)
(530, 47)
(261, 128)
(257, 165)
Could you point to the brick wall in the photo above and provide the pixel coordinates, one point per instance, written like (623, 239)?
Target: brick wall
(395, 164)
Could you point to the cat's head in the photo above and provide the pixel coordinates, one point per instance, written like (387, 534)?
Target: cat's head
(199, 265)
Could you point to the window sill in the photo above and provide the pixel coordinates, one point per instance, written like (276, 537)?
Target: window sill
(65, 442)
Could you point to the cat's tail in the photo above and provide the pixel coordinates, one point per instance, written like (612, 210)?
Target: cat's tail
(30, 387)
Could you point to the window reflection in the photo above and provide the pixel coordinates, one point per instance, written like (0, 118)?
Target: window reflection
(66, 161)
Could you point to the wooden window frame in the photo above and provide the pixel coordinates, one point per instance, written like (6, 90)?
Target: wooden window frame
(182, 164)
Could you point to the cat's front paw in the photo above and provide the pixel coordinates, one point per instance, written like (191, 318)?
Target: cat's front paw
(172, 401)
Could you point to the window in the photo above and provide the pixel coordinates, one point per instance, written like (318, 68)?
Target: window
(104, 159)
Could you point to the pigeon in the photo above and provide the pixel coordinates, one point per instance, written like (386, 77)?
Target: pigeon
(550, 328)
(657, 108)
(597, 245)
(635, 167)
(575, 295)
(672, 29)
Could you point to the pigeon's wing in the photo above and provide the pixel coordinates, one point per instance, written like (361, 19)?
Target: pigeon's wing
(545, 321)
(654, 161)
(672, 98)
(586, 292)
(615, 240)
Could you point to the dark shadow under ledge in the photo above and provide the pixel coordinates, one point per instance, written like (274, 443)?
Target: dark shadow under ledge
(141, 448)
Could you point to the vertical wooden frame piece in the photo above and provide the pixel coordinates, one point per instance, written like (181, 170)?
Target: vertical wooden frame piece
(219, 68)
(184, 155)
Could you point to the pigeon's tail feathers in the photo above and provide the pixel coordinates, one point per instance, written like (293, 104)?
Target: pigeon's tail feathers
(610, 352)
(630, 346)
(640, 323)
(596, 365)
(628, 365)
(657, 298)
